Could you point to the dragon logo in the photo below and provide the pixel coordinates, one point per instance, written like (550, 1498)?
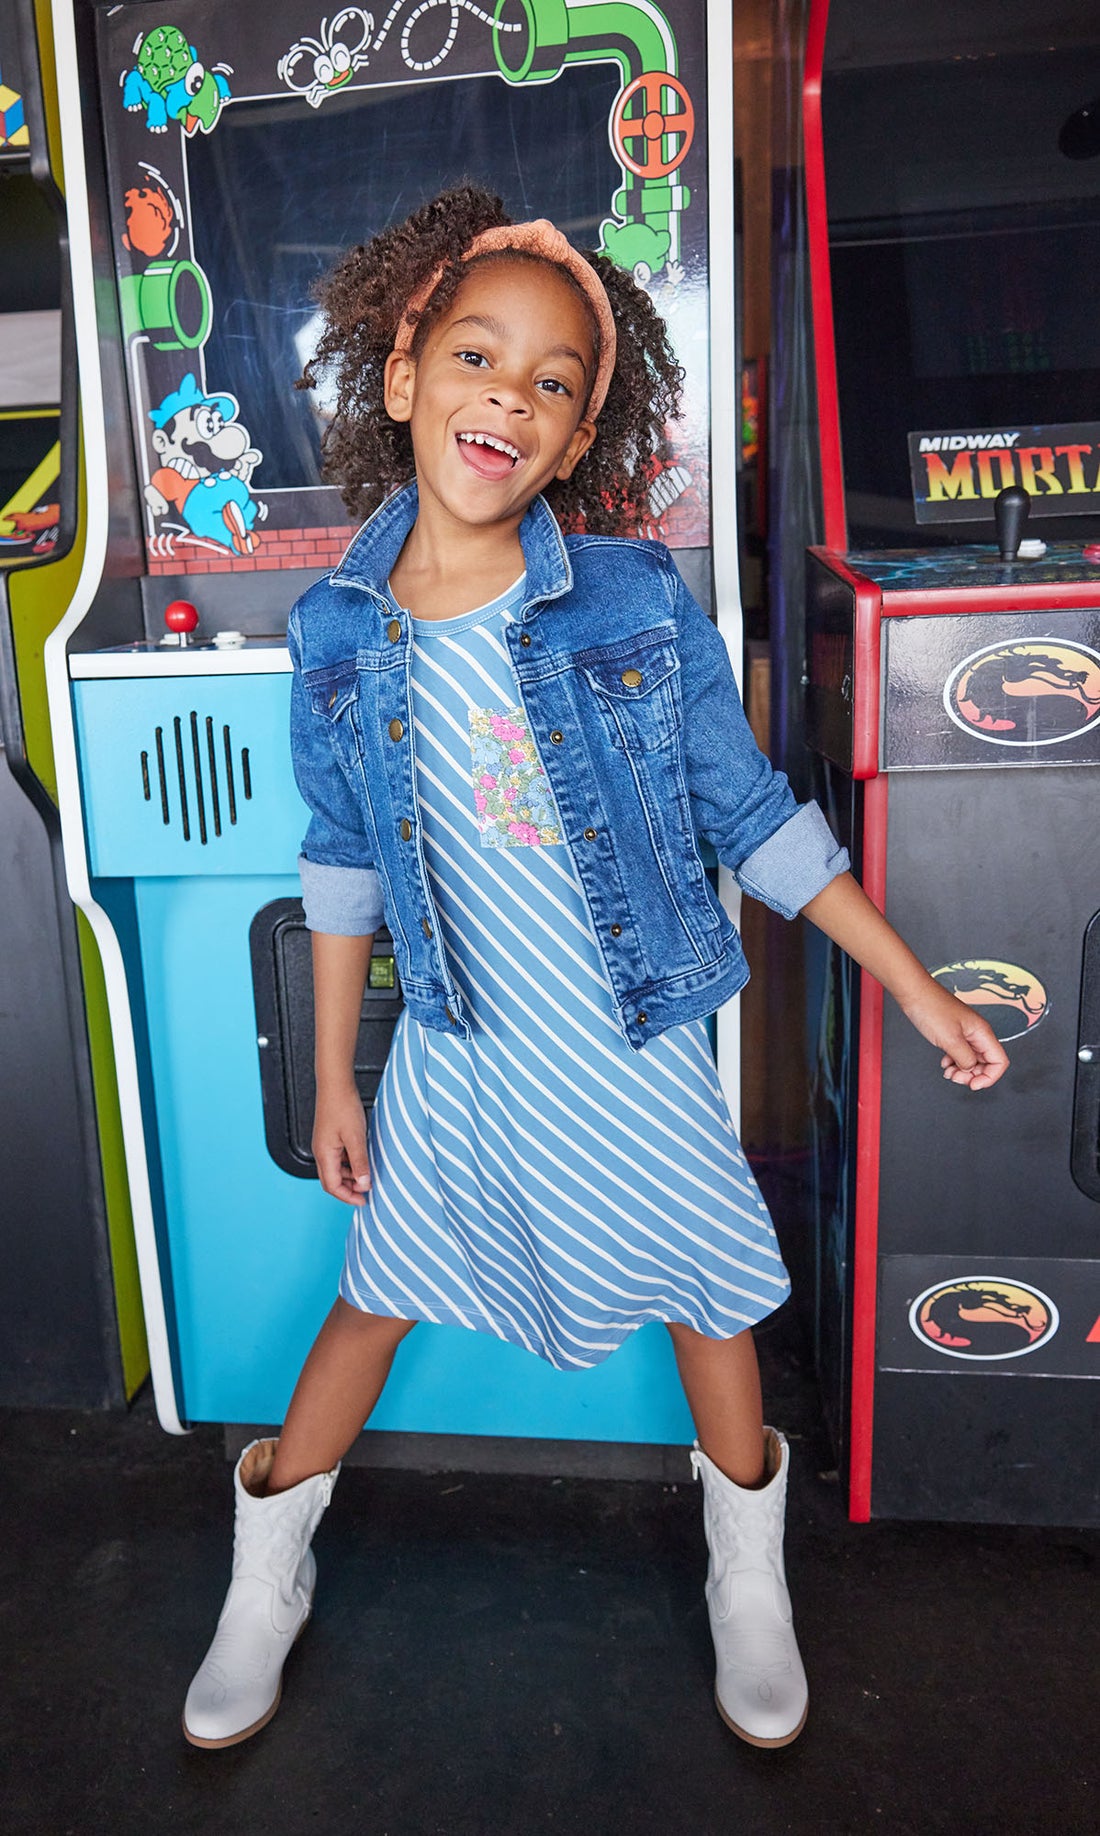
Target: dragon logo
(983, 1318)
(1012, 999)
(1029, 694)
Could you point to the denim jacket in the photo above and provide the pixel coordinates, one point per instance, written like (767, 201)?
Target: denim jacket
(632, 704)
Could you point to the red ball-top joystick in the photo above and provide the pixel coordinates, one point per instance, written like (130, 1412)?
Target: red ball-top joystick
(182, 617)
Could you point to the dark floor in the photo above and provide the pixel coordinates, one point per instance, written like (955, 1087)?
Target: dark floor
(510, 1655)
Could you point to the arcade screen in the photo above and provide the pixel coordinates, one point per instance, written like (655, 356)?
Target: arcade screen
(247, 149)
(250, 174)
(964, 229)
(30, 371)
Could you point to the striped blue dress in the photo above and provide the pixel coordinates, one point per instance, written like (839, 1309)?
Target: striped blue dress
(541, 1181)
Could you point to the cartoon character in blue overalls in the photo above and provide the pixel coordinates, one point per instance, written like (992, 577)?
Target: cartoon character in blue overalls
(206, 462)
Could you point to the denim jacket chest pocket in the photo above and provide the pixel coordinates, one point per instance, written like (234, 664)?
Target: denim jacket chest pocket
(332, 694)
(337, 693)
(332, 690)
(636, 683)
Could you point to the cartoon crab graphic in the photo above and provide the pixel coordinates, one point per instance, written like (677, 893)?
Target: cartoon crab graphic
(154, 215)
(314, 67)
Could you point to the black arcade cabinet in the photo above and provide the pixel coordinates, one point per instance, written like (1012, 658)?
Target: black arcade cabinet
(948, 663)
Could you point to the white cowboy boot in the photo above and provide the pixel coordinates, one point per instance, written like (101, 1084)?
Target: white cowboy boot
(760, 1685)
(237, 1687)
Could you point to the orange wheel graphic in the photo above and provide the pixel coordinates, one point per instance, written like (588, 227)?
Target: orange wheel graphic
(652, 125)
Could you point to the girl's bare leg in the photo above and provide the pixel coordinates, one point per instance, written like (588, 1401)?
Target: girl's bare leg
(721, 1380)
(340, 1383)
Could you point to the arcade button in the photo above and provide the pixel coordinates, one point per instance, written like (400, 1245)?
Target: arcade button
(1032, 548)
(1091, 552)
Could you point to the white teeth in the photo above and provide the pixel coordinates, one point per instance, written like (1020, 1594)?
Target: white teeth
(483, 439)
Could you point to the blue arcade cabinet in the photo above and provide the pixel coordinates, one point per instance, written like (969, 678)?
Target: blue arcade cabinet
(218, 160)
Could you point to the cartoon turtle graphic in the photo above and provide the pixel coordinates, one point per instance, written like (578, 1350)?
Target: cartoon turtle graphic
(170, 84)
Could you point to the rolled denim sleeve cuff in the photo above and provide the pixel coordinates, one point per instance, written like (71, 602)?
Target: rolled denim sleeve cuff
(794, 864)
(341, 901)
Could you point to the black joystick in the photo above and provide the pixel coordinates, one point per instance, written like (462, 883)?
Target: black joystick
(1011, 508)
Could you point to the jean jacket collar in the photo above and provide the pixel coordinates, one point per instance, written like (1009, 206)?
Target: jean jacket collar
(370, 557)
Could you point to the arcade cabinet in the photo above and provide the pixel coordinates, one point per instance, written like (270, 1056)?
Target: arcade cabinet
(219, 161)
(71, 1332)
(946, 667)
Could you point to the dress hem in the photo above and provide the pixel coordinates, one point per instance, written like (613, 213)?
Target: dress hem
(451, 1316)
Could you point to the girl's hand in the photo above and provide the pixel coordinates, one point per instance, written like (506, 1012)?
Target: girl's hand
(340, 1145)
(972, 1053)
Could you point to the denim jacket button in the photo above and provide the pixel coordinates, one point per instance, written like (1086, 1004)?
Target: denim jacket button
(396, 729)
(632, 678)
(406, 829)
(393, 630)
(556, 738)
(590, 835)
(525, 639)
(616, 930)
(332, 699)
(643, 1019)
(426, 926)
(450, 1016)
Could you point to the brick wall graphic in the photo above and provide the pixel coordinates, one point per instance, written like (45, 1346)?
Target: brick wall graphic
(277, 549)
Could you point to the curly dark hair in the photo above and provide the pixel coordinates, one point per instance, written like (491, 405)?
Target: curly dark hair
(363, 300)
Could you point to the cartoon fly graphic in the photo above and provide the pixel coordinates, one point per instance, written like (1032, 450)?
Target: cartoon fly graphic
(314, 67)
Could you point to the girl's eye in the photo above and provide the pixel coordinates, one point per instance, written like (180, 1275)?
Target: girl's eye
(553, 385)
(473, 358)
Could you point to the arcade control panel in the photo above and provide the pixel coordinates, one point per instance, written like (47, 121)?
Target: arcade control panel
(998, 650)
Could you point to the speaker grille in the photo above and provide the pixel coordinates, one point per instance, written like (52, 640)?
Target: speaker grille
(194, 772)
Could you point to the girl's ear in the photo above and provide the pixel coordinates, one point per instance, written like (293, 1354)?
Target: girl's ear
(398, 385)
(582, 439)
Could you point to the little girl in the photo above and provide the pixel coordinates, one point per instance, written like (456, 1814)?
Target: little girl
(510, 740)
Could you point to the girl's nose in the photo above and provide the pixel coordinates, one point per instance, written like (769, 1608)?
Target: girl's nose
(511, 396)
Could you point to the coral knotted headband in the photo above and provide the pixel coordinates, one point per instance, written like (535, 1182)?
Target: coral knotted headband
(536, 238)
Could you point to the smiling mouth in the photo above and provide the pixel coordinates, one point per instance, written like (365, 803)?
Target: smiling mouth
(488, 455)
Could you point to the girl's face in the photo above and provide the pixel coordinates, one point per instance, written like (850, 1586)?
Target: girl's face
(495, 399)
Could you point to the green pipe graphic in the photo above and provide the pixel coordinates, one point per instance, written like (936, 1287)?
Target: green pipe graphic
(644, 233)
(170, 302)
(560, 32)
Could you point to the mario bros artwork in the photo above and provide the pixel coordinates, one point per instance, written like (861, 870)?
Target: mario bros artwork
(231, 190)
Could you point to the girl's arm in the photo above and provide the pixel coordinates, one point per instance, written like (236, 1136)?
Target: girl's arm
(340, 966)
(972, 1053)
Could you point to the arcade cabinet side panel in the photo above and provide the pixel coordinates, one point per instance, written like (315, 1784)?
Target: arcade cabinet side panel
(100, 1356)
(819, 1242)
(36, 596)
(844, 1007)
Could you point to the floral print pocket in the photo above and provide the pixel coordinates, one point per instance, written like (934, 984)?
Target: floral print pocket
(511, 795)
